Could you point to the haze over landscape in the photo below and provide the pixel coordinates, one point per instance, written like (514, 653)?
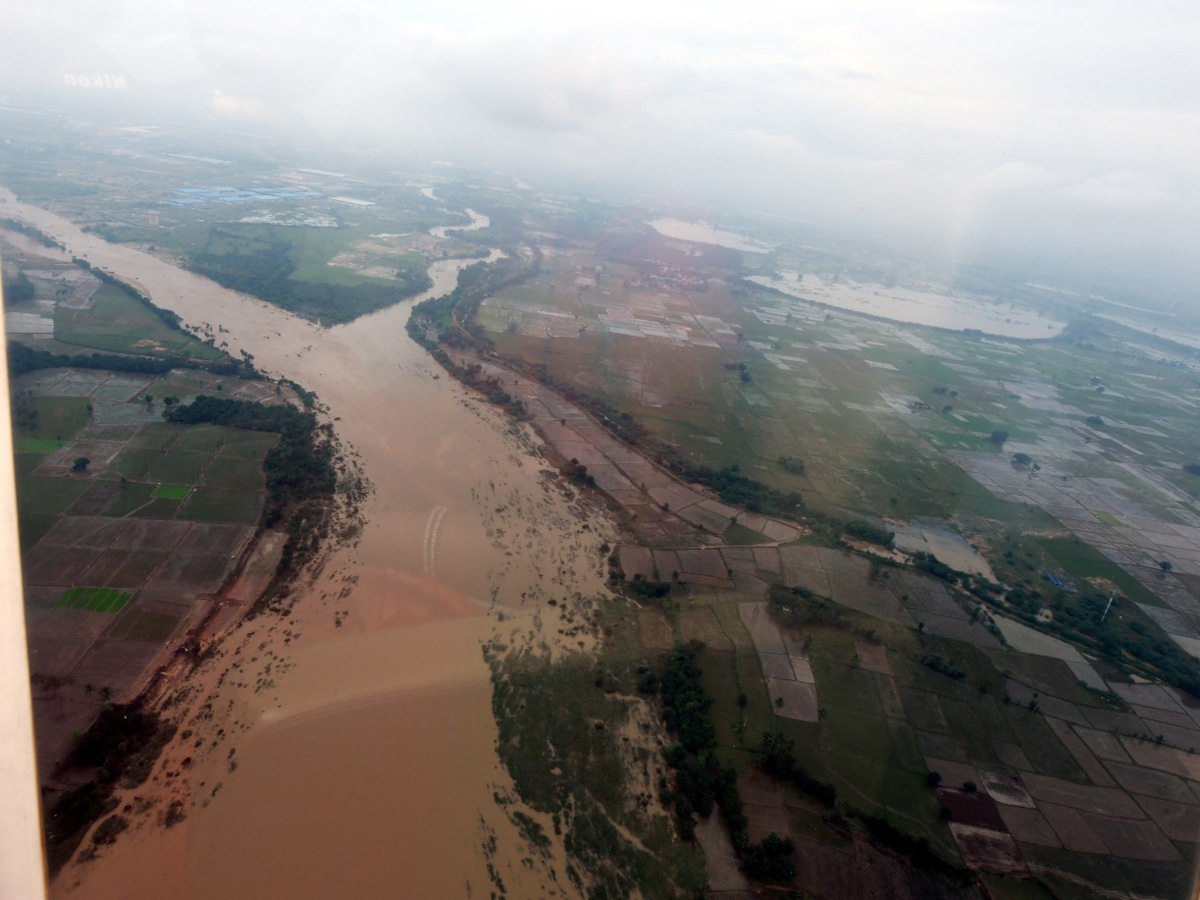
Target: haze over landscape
(1065, 133)
(635, 451)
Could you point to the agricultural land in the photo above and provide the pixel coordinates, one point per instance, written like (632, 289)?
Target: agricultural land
(953, 573)
(132, 526)
(906, 593)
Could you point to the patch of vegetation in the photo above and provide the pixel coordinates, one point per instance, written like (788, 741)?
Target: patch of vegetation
(777, 756)
(121, 745)
(301, 472)
(172, 491)
(702, 780)
(559, 723)
(863, 530)
(17, 288)
(107, 831)
(738, 534)
(927, 562)
(299, 468)
(23, 358)
(96, 599)
(259, 260)
(30, 232)
(771, 860)
(791, 464)
(41, 421)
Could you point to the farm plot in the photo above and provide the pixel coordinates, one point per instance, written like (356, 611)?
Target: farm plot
(48, 495)
(248, 444)
(96, 498)
(118, 323)
(145, 625)
(211, 505)
(106, 600)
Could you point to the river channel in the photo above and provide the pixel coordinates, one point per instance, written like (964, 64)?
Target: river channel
(362, 764)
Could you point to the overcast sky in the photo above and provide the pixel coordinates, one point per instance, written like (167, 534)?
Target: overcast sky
(1069, 127)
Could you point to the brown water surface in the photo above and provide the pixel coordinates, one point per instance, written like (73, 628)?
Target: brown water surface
(358, 760)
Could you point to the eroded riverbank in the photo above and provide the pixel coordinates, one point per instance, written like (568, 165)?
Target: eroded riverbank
(348, 717)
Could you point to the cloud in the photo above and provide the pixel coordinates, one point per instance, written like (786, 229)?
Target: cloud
(990, 118)
(1118, 192)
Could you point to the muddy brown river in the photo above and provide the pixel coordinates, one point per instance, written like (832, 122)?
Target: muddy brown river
(357, 760)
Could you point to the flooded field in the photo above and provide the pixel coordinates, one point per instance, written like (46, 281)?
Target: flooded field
(505, 537)
(940, 310)
(952, 549)
(703, 233)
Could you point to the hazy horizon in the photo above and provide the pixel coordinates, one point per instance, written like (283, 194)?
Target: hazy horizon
(1060, 137)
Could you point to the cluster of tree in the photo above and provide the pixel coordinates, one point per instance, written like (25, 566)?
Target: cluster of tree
(772, 860)
(18, 289)
(1122, 640)
(30, 232)
(791, 464)
(865, 530)
(917, 849)
(777, 757)
(120, 747)
(23, 358)
(24, 413)
(648, 590)
(260, 263)
(798, 606)
(702, 781)
(576, 471)
(1028, 602)
(943, 667)
(927, 562)
(741, 368)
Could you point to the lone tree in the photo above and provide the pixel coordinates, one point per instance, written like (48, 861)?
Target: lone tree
(80, 465)
(999, 436)
(1166, 565)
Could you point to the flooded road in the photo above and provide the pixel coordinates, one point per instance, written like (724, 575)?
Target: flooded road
(357, 759)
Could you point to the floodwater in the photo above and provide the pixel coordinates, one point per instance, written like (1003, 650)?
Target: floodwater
(953, 311)
(951, 548)
(324, 802)
(478, 221)
(703, 233)
(368, 769)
